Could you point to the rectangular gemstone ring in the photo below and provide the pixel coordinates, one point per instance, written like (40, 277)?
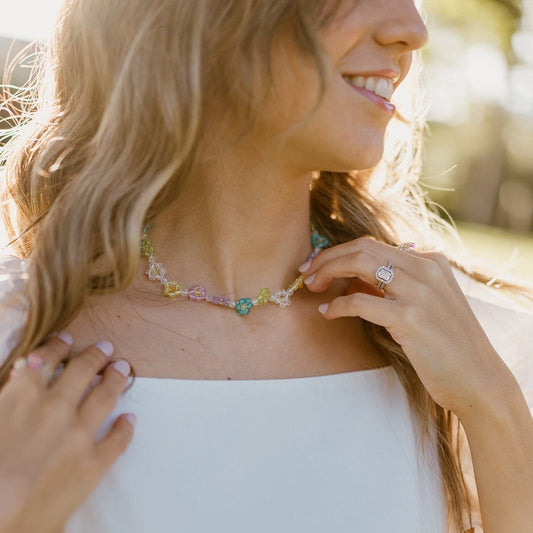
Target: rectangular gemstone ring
(384, 274)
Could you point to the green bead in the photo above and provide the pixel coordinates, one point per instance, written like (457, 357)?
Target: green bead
(264, 296)
(147, 248)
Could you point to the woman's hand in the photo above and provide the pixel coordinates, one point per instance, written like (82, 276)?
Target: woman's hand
(425, 312)
(49, 460)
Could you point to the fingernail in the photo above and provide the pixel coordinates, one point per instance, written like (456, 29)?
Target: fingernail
(323, 308)
(310, 279)
(131, 418)
(66, 337)
(305, 266)
(106, 347)
(35, 360)
(122, 366)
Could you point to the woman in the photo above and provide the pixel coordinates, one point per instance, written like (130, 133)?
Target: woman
(212, 134)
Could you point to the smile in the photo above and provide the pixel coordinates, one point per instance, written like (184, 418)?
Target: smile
(376, 88)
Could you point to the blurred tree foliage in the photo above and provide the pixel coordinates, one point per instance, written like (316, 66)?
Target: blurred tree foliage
(480, 20)
(480, 79)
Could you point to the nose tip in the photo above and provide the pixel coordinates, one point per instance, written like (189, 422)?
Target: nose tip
(419, 35)
(403, 25)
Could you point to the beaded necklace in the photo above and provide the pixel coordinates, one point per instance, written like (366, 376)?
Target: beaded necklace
(198, 293)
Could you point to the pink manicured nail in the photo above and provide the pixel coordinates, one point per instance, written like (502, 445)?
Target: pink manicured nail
(35, 360)
(310, 279)
(66, 337)
(106, 347)
(305, 266)
(131, 418)
(323, 308)
(122, 366)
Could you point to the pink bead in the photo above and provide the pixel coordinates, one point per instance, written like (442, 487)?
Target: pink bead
(220, 301)
(197, 293)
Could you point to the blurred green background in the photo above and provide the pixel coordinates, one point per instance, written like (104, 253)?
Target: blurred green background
(479, 149)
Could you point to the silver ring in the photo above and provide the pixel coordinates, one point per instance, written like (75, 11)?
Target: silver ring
(407, 246)
(47, 371)
(384, 274)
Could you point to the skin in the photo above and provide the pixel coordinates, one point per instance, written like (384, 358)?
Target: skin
(49, 461)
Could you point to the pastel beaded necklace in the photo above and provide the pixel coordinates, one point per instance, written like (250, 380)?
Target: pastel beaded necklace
(198, 293)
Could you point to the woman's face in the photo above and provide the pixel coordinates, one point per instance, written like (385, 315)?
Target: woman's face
(369, 45)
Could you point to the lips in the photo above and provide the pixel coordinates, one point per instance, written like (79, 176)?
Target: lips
(378, 100)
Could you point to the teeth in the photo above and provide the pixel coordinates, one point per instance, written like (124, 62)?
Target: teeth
(371, 84)
(383, 87)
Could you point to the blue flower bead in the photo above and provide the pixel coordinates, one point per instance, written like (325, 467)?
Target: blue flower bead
(243, 306)
(319, 241)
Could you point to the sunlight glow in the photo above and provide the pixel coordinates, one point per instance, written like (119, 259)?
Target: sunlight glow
(28, 20)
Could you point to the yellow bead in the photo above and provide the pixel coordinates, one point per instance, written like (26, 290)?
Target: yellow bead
(173, 289)
(298, 283)
(264, 296)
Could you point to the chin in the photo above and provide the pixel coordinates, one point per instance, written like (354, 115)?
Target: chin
(348, 159)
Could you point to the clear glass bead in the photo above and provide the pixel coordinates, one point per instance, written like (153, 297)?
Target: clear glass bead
(155, 271)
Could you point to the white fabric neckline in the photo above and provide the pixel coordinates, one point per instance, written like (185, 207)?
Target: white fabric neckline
(339, 375)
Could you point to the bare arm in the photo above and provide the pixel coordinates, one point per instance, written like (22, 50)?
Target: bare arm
(500, 436)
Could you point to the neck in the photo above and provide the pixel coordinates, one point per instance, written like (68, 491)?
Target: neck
(236, 229)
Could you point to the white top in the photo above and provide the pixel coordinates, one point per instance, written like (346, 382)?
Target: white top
(327, 453)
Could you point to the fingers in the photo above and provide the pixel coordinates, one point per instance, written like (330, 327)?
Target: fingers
(50, 445)
(115, 442)
(363, 258)
(103, 397)
(80, 371)
(377, 310)
(362, 264)
(52, 352)
(397, 257)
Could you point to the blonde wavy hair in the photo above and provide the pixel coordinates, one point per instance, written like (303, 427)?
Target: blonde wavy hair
(113, 120)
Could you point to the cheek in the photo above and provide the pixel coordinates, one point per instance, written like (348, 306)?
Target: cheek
(345, 133)
(337, 140)
(293, 94)
(352, 121)
(346, 31)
